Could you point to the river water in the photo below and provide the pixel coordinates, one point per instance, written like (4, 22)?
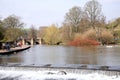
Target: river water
(39, 55)
(59, 55)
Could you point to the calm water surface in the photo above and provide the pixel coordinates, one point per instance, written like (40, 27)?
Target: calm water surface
(41, 54)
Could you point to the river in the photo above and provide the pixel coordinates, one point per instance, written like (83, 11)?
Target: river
(26, 65)
(59, 55)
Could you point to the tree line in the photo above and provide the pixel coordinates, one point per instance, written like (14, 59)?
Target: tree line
(84, 26)
(81, 26)
(12, 30)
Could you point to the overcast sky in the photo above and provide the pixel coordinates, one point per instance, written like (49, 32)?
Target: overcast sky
(47, 12)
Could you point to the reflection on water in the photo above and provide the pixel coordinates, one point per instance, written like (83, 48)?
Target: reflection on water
(10, 58)
(41, 54)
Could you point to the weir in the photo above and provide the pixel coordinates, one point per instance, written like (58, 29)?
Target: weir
(31, 65)
(38, 73)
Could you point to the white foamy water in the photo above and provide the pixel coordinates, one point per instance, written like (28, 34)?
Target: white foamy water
(51, 75)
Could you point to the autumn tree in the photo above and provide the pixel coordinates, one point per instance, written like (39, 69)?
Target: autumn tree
(52, 35)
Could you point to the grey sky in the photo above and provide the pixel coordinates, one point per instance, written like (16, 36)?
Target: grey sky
(47, 12)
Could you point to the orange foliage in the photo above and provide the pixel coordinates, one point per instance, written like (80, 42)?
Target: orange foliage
(83, 42)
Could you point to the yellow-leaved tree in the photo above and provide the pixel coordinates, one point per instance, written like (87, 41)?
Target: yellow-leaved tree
(52, 35)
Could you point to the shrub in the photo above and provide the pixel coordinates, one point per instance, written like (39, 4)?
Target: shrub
(106, 37)
(90, 34)
(83, 42)
(87, 38)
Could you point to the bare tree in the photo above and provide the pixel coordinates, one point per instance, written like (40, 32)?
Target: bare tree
(73, 18)
(41, 31)
(66, 33)
(93, 12)
(32, 32)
